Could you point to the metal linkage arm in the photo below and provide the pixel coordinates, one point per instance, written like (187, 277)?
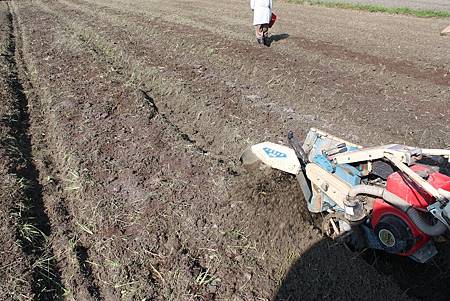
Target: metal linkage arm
(415, 177)
(403, 153)
(437, 152)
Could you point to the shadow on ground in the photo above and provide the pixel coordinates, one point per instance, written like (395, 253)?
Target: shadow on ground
(428, 281)
(328, 271)
(277, 37)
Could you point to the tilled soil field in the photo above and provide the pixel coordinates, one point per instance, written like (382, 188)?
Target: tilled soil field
(122, 126)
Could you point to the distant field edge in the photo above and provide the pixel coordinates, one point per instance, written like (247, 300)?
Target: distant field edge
(421, 13)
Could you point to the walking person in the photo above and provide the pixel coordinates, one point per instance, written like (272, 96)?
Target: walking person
(262, 14)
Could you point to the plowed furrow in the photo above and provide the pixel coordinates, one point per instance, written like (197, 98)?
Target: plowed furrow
(34, 231)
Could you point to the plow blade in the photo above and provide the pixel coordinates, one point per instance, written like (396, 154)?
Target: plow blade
(274, 155)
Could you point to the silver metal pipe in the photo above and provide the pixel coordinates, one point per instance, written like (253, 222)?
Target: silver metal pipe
(433, 230)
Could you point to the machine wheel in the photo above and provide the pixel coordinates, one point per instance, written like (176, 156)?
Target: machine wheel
(335, 226)
(394, 234)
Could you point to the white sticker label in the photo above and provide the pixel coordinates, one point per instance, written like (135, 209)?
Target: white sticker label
(349, 210)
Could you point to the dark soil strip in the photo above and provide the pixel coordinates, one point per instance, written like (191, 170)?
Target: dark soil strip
(153, 111)
(185, 137)
(86, 271)
(34, 228)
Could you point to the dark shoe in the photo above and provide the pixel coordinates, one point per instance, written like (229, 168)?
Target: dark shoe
(266, 41)
(260, 41)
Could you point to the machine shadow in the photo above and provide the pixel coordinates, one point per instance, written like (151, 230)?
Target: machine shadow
(329, 271)
(277, 37)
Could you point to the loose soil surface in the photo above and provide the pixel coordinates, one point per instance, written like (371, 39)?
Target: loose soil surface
(129, 119)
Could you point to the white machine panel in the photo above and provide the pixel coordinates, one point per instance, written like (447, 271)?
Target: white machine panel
(277, 156)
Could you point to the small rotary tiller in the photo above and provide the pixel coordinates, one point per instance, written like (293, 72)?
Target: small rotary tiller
(392, 197)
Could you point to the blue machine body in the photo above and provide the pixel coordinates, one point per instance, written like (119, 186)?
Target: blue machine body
(345, 172)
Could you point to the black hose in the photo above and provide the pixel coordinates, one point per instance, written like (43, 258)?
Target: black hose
(433, 230)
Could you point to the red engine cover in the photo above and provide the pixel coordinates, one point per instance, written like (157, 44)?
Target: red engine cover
(403, 187)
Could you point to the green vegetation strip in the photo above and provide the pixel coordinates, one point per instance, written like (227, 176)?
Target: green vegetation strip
(422, 13)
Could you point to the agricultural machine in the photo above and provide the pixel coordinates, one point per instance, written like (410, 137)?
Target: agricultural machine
(392, 197)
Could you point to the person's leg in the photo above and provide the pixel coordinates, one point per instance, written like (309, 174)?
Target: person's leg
(259, 34)
(265, 34)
